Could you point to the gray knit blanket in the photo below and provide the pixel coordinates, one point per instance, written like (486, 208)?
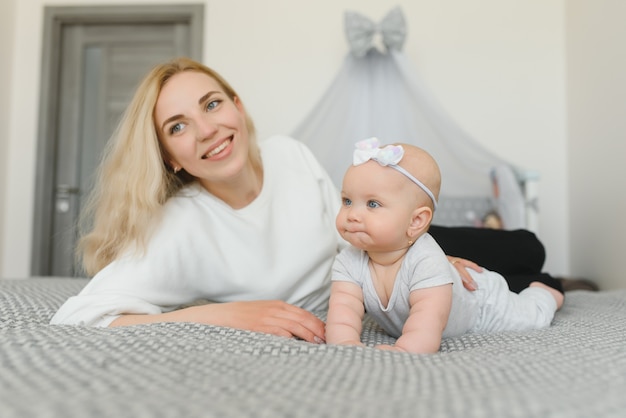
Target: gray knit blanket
(576, 368)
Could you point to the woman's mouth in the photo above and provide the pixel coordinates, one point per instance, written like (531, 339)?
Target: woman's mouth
(221, 147)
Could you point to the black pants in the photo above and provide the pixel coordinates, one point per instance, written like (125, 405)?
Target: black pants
(517, 255)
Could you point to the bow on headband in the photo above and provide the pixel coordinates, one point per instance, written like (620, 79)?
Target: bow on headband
(369, 149)
(388, 156)
(360, 31)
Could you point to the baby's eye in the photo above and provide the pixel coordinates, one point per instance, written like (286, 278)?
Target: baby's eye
(373, 204)
(346, 201)
(177, 127)
(212, 104)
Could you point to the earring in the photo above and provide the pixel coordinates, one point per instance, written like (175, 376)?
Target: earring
(176, 169)
(410, 242)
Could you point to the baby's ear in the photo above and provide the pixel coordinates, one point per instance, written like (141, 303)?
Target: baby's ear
(420, 221)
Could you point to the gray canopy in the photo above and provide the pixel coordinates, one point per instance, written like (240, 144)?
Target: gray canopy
(377, 93)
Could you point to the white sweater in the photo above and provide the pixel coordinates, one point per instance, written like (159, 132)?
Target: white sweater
(281, 246)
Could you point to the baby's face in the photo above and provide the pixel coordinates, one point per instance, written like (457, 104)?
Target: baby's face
(377, 206)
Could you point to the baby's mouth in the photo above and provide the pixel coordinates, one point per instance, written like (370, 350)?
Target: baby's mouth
(218, 149)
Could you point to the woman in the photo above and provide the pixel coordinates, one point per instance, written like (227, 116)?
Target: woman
(188, 206)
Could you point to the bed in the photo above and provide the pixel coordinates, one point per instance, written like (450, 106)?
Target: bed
(576, 368)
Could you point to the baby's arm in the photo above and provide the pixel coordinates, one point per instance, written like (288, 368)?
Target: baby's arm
(430, 309)
(345, 314)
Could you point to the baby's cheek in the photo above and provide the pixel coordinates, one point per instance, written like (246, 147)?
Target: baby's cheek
(339, 222)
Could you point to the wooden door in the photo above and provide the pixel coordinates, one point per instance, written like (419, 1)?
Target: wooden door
(99, 65)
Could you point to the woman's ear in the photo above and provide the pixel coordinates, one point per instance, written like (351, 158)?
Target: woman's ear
(238, 104)
(420, 221)
(169, 161)
(172, 164)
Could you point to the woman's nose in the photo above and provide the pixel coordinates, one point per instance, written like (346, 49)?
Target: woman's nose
(206, 129)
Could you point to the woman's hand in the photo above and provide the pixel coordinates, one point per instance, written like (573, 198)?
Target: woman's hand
(269, 316)
(461, 266)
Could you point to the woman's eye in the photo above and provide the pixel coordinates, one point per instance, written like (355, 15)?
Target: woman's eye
(346, 201)
(177, 127)
(373, 204)
(212, 104)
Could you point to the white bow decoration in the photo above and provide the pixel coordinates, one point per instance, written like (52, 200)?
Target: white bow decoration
(368, 149)
(360, 31)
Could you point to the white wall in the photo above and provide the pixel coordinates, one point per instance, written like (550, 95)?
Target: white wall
(7, 29)
(597, 133)
(497, 66)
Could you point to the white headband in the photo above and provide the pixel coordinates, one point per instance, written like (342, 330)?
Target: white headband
(388, 156)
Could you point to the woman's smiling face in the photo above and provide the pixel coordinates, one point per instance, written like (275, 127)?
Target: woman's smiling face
(202, 129)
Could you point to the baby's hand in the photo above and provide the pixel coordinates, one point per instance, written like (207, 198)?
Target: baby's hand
(358, 343)
(387, 347)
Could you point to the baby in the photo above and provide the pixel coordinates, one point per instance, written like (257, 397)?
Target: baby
(397, 272)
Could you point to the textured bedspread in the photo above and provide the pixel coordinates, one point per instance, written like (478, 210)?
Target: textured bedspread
(576, 368)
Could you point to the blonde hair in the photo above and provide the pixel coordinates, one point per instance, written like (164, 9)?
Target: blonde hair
(133, 180)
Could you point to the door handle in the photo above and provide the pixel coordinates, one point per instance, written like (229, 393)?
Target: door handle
(63, 194)
(66, 190)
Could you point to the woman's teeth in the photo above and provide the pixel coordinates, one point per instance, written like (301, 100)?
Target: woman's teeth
(216, 150)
